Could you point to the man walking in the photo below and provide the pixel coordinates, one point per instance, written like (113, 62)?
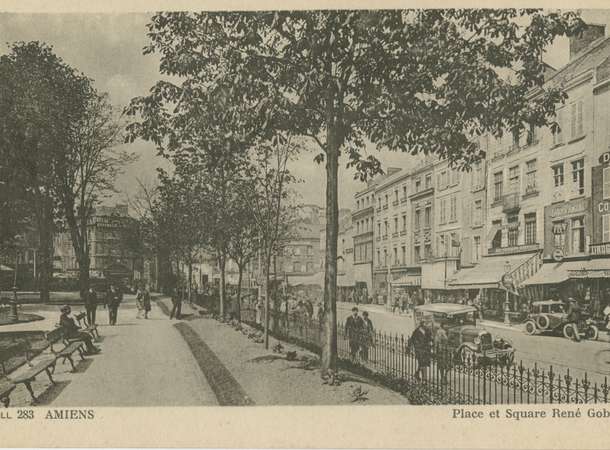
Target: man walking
(176, 304)
(368, 336)
(354, 327)
(147, 306)
(421, 340)
(113, 300)
(91, 306)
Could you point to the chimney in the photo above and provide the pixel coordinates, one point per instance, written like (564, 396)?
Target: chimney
(580, 42)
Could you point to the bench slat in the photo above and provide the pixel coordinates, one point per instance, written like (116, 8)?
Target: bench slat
(31, 372)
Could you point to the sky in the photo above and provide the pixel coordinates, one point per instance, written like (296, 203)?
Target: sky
(108, 49)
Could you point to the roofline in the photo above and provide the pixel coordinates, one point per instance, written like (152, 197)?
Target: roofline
(593, 46)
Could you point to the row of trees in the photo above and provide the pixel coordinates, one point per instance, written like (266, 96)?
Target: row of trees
(58, 150)
(417, 81)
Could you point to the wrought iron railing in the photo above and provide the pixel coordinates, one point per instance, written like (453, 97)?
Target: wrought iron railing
(451, 377)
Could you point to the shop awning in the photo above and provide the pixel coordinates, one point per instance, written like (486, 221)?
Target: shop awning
(487, 274)
(4, 268)
(554, 273)
(407, 280)
(595, 268)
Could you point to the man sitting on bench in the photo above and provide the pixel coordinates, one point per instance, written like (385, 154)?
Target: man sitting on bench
(72, 331)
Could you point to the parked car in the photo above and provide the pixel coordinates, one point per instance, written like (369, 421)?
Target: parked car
(550, 316)
(468, 343)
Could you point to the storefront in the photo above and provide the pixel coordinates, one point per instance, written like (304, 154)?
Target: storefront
(483, 285)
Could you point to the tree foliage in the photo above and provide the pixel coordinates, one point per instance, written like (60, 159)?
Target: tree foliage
(417, 81)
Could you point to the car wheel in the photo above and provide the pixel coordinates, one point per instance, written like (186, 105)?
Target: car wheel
(592, 332)
(542, 322)
(530, 327)
(568, 331)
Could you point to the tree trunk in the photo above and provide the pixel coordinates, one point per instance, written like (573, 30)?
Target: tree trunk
(329, 346)
(266, 268)
(45, 230)
(240, 269)
(222, 285)
(190, 291)
(276, 305)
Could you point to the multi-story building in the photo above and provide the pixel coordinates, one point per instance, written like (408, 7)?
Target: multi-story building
(363, 222)
(389, 210)
(108, 233)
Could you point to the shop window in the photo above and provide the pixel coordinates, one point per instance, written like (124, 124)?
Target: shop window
(606, 182)
(578, 235)
(606, 228)
(559, 235)
(498, 186)
(530, 228)
(578, 176)
(558, 175)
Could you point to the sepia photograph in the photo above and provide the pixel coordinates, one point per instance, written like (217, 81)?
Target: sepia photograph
(329, 207)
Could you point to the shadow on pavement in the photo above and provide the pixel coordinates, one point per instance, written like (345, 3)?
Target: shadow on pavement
(49, 396)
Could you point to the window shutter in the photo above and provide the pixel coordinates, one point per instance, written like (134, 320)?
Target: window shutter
(573, 120)
(606, 227)
(606, 182)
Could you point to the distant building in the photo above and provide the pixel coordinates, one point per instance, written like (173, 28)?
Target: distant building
(111, 253)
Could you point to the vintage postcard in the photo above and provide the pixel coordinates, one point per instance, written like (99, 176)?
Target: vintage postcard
(304, 225)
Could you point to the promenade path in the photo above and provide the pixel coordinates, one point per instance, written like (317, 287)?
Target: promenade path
(143, 363)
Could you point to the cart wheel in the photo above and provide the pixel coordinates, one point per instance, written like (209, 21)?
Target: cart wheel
(530, 327)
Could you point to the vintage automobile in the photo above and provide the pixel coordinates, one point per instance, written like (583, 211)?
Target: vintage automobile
(550, 316)
(469, 344)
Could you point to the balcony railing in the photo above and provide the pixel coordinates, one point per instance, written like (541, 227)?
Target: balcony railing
(403, 232)
(395, 203)
(510, 203)
(395, 234)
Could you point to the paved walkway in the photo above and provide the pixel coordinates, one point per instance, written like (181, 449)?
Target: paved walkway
(143, 363)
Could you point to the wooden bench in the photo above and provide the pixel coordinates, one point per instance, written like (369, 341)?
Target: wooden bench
(46, 362)
(85, 326)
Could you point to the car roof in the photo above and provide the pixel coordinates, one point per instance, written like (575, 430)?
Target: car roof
(446, 308)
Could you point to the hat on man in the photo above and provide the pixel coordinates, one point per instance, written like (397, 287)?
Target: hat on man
(354, 309)
(65, 308)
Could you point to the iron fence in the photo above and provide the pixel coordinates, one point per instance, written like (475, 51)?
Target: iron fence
(448, 378)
